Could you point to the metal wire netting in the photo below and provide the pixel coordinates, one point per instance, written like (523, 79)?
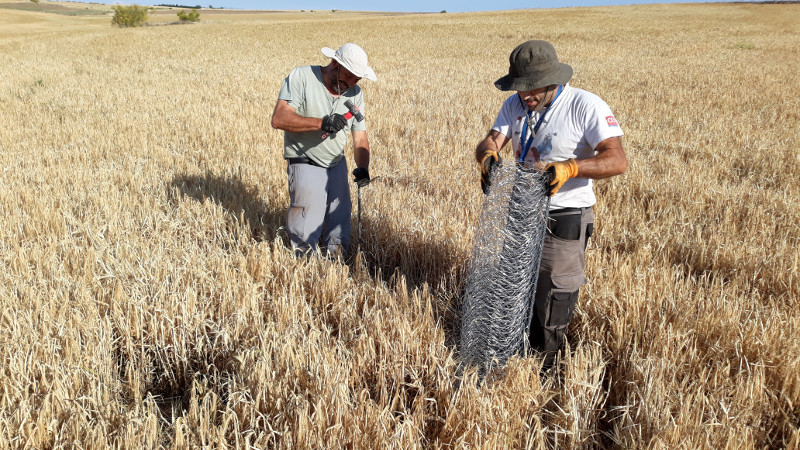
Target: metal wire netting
(504, 267)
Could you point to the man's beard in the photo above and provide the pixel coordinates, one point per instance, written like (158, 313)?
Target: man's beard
(338, 86)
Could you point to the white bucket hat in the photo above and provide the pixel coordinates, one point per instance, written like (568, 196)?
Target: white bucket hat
(353, 58)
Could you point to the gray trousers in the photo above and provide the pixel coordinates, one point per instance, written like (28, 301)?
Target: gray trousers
(561, 275)
(320, 208)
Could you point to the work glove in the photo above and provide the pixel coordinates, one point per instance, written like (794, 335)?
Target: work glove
(560, 172)
(488, 163)
(361, 176)
(333, 123)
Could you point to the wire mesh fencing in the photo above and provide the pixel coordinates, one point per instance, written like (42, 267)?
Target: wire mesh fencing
(504, 267)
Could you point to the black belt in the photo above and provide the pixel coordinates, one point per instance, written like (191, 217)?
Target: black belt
(302, 161)
(568, 210)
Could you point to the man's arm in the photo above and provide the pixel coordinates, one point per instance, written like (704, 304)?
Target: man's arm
(608, 161)
(493, 141)
(361, 149)
(285, 118)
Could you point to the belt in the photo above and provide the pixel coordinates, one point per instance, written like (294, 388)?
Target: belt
(302, 161)
(564, 211)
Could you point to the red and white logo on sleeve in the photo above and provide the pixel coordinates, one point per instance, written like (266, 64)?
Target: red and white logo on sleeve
(611, 121)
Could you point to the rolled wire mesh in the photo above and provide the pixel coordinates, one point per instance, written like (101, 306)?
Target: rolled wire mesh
(504, 267)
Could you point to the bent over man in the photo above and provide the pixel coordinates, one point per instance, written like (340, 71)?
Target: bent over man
(574, 135)
(311, 111)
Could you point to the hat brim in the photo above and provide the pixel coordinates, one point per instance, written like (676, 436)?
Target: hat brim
(329, 52)
(561, 75)
(368, 72)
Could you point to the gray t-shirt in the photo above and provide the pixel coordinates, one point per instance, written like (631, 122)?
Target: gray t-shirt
(306, 93)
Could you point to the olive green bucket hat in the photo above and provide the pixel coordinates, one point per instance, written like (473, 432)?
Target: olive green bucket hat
(533, 65)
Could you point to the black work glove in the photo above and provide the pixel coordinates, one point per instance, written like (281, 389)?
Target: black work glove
(361, 176)
(333, 123)
(490, 160)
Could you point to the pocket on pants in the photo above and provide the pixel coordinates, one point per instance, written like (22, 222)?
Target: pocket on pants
(567, 227)
(571, 282)
(562, 305)
(563, 298)
(296, 220)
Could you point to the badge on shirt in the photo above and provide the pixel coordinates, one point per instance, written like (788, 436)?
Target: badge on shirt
(546, 146)
(611, 121)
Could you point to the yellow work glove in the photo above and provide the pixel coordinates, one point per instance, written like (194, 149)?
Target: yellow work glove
(560, 172)
(487, 165)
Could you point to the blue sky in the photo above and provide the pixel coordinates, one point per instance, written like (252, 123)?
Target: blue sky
(401, 5)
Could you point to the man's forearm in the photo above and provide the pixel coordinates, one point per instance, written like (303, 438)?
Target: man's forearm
(295, 123)
(493, 141)
(285, 118)
(361, 149)
(361, 156)
(609, 161)
(486, 145)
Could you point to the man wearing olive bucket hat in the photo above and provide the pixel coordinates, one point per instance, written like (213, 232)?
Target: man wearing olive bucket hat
(574, 135)
(316, 103)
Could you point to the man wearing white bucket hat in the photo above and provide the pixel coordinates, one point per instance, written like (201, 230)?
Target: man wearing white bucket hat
(316, 103)
(572, 134)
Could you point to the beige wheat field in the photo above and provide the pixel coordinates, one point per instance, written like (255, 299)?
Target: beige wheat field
(147, 297)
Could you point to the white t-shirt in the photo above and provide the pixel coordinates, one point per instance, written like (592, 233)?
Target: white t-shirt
(572, 127)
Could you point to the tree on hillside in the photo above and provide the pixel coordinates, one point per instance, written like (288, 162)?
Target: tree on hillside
(129, 16)
(193, 16)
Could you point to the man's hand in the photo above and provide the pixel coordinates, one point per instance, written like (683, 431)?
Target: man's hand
(333, 123)
(488, 163)
(560, 172)
(361, 176)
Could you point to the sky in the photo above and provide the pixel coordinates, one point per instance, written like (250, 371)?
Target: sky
(401, 5)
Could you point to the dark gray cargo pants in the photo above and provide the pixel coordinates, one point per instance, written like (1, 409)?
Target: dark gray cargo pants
(561, 275)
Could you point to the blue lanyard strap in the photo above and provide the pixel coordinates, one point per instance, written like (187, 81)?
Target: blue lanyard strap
(529, 142)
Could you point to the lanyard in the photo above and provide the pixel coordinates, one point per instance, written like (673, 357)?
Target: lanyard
(528, 143)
